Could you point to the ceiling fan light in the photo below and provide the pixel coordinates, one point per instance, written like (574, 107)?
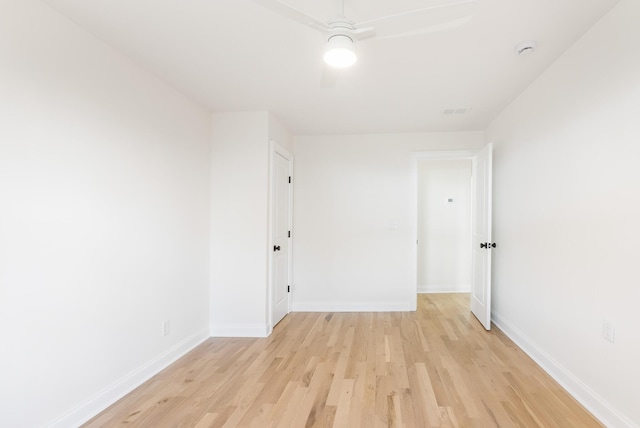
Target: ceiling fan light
(340, 52)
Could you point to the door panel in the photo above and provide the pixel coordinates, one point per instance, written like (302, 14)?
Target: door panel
(280, 226)
(481, 234)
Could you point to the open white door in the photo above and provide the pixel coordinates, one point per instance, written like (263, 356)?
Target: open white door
(481, 236)
(280, 248)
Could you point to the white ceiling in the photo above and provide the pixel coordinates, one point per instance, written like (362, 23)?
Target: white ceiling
(235, 55)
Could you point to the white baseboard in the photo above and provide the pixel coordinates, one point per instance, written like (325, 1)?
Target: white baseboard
(351, 307)
(240, 330)
(602, 410)
(122, 387)
(438, 289)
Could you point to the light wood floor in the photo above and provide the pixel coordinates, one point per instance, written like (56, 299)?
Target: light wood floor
(436, 367)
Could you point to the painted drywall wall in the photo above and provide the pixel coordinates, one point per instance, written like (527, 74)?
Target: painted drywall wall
(239, 220)
(352, 232)
(444, 226)
(566, 210)
(279, 133)
(239, 209)
(104, 230)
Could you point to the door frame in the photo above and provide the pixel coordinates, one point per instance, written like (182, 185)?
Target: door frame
(415, 157)
(275, 148)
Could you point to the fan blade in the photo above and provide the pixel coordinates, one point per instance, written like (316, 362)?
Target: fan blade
(329, 77)
(294, 14)
(425, 20)
(433, 29)
(363, 33)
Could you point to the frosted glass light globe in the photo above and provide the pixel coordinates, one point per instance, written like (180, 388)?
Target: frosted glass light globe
(341, 52)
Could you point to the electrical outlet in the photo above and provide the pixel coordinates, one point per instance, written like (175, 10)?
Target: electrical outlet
(166, 326)
(608, 330)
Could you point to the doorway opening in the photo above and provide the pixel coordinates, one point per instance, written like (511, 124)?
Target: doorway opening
(434, 224)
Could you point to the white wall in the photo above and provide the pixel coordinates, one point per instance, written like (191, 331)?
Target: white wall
(279, 133)
(444, 228)
(349, 193)
(104, 182)
(239, 221)
(566, 217)
(239, 209)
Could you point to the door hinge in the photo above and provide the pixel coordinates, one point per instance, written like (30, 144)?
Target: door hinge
(288, 289)
(289, 234)
(289, 179)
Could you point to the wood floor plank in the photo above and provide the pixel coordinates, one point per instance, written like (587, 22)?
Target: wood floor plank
(436, 367)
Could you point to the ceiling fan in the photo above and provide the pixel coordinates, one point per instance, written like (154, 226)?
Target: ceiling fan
(341, 33)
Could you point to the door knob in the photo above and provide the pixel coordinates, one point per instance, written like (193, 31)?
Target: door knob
(487, 245)
(483, 245)
(276, 248)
